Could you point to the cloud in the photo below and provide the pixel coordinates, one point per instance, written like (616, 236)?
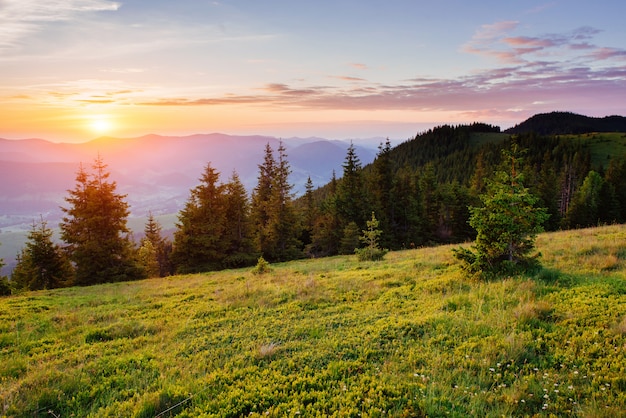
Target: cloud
(358, 66)
(512, 88)
(19, 18)
(494, 41)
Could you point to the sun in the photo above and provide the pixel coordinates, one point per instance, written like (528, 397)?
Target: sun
(101, 124)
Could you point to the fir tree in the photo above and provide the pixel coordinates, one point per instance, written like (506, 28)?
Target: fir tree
(273, 212)
(95, 230)
(238, 233)
(380, 185)
(506, 224)
(261, 210)
(160, 247)
(42, 264)
(350, 202)
(199, 241)
(5, 287)
(371, 236)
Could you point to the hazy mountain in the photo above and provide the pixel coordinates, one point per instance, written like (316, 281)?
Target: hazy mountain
(156, 172)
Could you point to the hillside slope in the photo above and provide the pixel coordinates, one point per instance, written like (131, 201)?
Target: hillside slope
(563, 123)
(408, 336)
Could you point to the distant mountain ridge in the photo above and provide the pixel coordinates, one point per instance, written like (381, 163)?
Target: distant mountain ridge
(156, 172)
(563, 123)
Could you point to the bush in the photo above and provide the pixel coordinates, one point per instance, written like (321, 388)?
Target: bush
(5, 288)
(261, 267)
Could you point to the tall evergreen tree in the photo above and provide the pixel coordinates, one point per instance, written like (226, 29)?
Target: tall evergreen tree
(261, 209)
(239, 237)
(160, 248)
(308, 214)
(327, 230)
(273, 212)
(407, 209)
(584, 210)
(5, 287)
(42, 264)
(199, 241)
(380, 185)
(351, 205)
(95, 231)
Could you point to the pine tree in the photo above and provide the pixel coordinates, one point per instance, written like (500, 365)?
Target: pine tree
(309, 213)
(238, 233)
(286, 225)
(584, 209)
(159, 246)
(327, 228)
(199, 241)
(95, 230)
(380, 186)
(41, 264)
(371, 237)
(273, 212)
(5, 287)
(350, 198)
(261, 210)
(407, 209)
(506, 224)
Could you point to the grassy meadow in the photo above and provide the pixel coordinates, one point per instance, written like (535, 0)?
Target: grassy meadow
(408, 336)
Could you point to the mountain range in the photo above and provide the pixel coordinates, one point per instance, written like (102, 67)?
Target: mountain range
(155, 172)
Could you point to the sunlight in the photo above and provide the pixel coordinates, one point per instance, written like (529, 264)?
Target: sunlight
(101, 124)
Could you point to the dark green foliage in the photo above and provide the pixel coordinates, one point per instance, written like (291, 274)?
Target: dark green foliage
(585, 205)
(274, 217)
(371, 251)
(154, 250)
(5, 288)
(349, 238)
(350, 202)
(42, 264)
(239, 243)
(214, 230)
(95, 230)
(506, 224)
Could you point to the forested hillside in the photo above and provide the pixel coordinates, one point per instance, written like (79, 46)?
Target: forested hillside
(562, 123)
(419, 192)
(421, 189)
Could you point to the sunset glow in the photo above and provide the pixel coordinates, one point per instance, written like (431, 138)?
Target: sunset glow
(86, 68)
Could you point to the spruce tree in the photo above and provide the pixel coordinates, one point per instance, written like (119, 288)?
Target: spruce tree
(273, 212)
(371, 236)
(199, 241)
(380, 186)
(239, 243)
(161, 247)
(5, 287)
(506, 224)
(42, 264)
(350, 192)
(261, 210)
(95, 231)
(327, 229)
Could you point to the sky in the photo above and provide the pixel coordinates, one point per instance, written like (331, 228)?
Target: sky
(74, 70)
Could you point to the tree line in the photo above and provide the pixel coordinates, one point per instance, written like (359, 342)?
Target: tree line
(419, 193)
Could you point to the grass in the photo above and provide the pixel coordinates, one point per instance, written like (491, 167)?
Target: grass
(408, 336)
(603, 146)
